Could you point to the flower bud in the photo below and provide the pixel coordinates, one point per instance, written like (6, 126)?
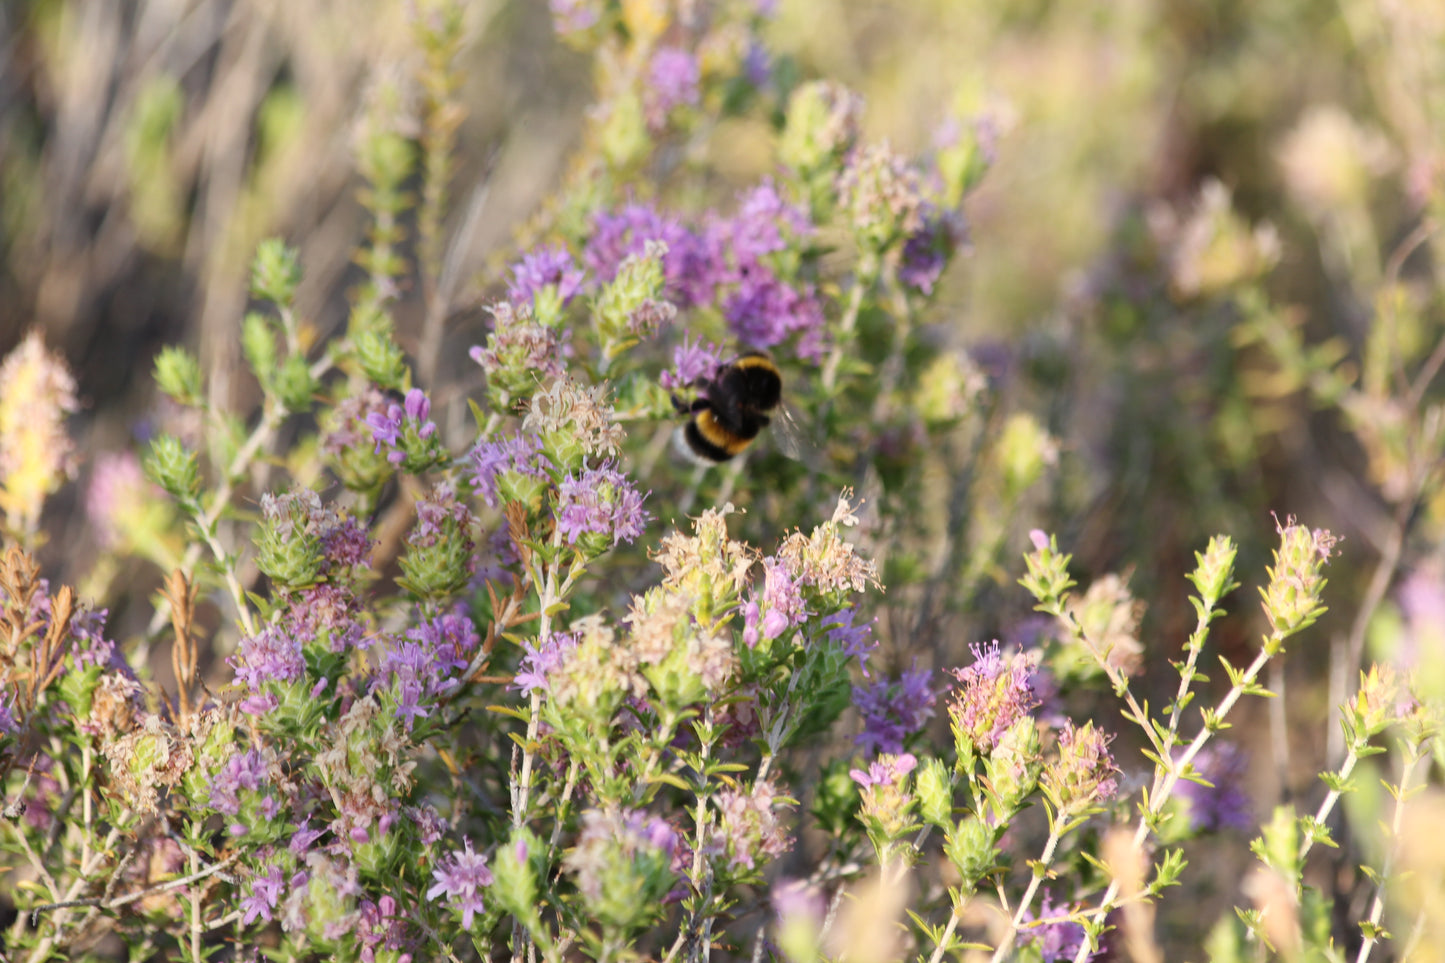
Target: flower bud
(1081, 779)
(1024, 450)
(172, 467)
(1292, 598)
(1012, 769)
(178, 374)
(289, 545)
(1213, 577)
(935, 793)
(822, 125)
(438, 559)
(515, 872)
(381, 358)
(970, 847)
(275, 272)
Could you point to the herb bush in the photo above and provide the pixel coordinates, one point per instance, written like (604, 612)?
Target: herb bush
(448, 653)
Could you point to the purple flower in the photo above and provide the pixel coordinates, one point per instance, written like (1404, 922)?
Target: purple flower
(781, 602)
(855, 640)
(461, 876)
(417, 670)
(763, 311)
(615, 236)
(540, 661)
(491, 459)
(452, 638)
(574, 16)
(600, 501)
(302, 839)
(750, 824)
(243, 772)
(1057, 942)
(272, 656)
(991, 696)
(401, 424)
(265, 892)
(545, 267)
(380, 925)
(798, 899)
(673, 77)
(432, 514)
(927, 250)
(764, 222)
(89, 646)
(886, 770)
(9, 725)
(893, 711)
(1082, 778)
(429, 823)
(409, 672)
(619, 843)
(386, 427)
(1225, 804)
(691, 362)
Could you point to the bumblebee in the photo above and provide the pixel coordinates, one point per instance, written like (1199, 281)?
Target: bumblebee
(732, 408)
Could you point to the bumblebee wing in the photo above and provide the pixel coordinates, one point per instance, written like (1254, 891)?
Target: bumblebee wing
(791, 438)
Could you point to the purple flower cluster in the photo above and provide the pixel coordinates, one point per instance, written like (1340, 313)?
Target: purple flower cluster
(673, 78)
(1058, 941)
(243, 773)
(418, 669)
(265, 892)
(545, 267)
(618, 235)
(9, 725)
(574, 16)
(600, 501)
(726, 263)
(492, 459)
(750, 825)
(380, 925)
(992, 695)
(540, 661)
(1083, 776)
(778, 608)
(1225, 804)
(892, 711)
(926, 252)
(691, 362)
(856, 641)
(88, 645)
(434, 512)
(273, 655)
(886, 770)
(301, 532)
(618, 843)
(389, 428)
(460, 876)
(352, 418)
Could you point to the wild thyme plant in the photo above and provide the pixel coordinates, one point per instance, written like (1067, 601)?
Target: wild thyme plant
(537, 688)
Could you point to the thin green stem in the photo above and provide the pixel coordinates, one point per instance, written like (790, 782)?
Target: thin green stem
(1377, 907)
(1006, 944)
(1160, 796)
